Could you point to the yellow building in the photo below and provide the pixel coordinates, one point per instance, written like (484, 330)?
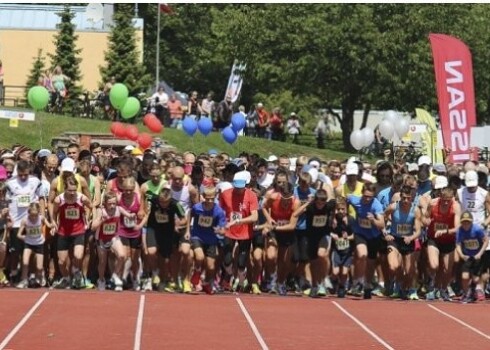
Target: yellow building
(24, 29)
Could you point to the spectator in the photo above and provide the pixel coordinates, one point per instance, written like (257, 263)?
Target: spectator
(207, 105)
(223, 113)
(320, 132)
(276, 125)
(263, 121)
(175, 110)
(160, 100)
(193, 107)
(293, 127)
(252, 119)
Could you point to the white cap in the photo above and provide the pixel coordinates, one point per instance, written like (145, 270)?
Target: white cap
(68, 165)
(43, 153)
(471, 178)
(351, 160)
(313, 173)
(8, 155)
(413, 167)
(241, 179)
(366, 177)
(315, 164)
(272, 158)
(352, 169)
(424, 160)
(440, 182)
(129, 148)
(259, 105)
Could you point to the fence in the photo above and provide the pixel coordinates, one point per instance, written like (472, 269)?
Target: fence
(13, 96)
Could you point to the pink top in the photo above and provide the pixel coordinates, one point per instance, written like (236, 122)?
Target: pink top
(126, 225)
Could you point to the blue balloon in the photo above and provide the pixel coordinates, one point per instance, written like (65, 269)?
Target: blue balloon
(205, 125)
(190, 126)
(229, 135)
(238, 122)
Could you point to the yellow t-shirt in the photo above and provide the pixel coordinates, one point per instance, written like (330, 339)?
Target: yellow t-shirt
(357, 192)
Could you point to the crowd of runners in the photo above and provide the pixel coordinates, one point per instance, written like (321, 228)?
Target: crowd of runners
(211, 223)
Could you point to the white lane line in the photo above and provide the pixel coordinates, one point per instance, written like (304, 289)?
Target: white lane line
(139, 324)
(26, 317)
(363, 326)
(459, 321)
(252, 325)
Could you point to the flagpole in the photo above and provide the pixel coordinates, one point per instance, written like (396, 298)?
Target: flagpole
(158, 50)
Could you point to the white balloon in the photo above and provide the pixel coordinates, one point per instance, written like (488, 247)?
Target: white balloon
(402, 127)
(357, 139)
(368, 136)
(392, 116)
(386, 129)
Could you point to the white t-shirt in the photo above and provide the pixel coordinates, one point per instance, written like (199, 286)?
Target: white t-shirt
(162, 98)
(21, 194)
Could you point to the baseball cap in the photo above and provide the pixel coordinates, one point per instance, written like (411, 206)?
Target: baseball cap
(424, 160)
(272, 158)
(366, 177)
(440, 182)
(292, 114)
(352, 169)
(241, 178)
(471, 179)
(43, 153)
(315, 164)
(466, 216)
(260, 105)
(8, 155)
(212, 152)
(439, 168)
(413, 167)
(3, 173)
(129, 148)
(313, 173)
(136, 152)
(68, 165)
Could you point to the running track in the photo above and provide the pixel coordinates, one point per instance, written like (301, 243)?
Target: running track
(58, 320)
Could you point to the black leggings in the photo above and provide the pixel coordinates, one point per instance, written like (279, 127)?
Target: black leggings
(243, 252)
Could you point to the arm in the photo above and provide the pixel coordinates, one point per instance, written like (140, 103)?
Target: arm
(51, 197)
(194, 194)
(96, 218)
(460, 252)
(21, 232)
(97, 193)
(418, 227)
(457, 215)
(188, 225)
(292, 222)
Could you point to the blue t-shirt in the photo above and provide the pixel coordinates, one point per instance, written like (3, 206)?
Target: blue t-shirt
(384, 197)
(362, 225)
(303, 197)
(472, 240)
(204, 222)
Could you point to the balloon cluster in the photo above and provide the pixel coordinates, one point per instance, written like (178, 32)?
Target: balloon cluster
(205, 126)
(130, 132)
(128, 106)
(392, 122)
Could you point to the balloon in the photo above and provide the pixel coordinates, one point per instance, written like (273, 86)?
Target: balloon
(118, 129)
(368, 136)
(402, 127)
(205, 125)
(229, 135)
(132, 132)
(118, 95)
(144, 140)
(392, 116)
(130, 108)
(38, 97)
(238, 122)
(386, 129)
(154, 124)
(148, 117)
(357, 139)
(190, 126)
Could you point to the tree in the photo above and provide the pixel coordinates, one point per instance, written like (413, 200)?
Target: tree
(122, 57)
(36, 72)
(67, 55)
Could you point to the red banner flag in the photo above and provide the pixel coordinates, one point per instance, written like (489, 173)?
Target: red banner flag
(165, 8)
(455, 93)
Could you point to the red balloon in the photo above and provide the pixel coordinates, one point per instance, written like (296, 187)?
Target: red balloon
(144, 140)
(148, 117)
(154, 125)
(118, 129)
(132, 132)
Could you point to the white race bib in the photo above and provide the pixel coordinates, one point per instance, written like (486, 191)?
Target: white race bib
(364, 223)
(23, 201)
(109, 229)
(404, 229)
(438, 226)
(129, 222)
(319, 220)
(235, 216)
(33, 231)
(471, 244)
(72, 213)
(205, 221)
(161, 218)
(342, 244)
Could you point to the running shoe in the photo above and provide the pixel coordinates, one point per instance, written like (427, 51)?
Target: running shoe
(367, 293)
(281, 289)
(378, 291)
(274, 289)
(118, 283)
(22, 284)
(412, 294)
(196, 278)
(87, 283)
(187, 288)
(468, 297)
(208, 288)
(314, 292)
(322, 291)
(155, 281)
(264, 286)
(450, 292)
(3, 278)
(307, 291)
(341, 292)
(445, 295)
(101, 285)
(357, 290)
(395, 294)
(430, 295)
(77, 280)
(403, 294)
(256, 289)
(137, 285)
(170, 287)
(62, 283)
(234, 287)
(480, 295)
(147, 285)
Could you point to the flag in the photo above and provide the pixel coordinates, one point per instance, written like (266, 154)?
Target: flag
(455, 94)
(165, 8)
(235, 81)
(430, 137)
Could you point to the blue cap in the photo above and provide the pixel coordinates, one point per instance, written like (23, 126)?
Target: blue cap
(212, 152)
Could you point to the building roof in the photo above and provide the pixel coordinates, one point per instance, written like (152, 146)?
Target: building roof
(44, 17)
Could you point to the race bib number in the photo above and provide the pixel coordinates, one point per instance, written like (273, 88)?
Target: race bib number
(471, 244)
(109, 229)
(161, 218)
(33, 231)
(319, 220)
(235, 216)
(282, 222)
(205, 221)
(72, 214)
(342, 244)
(438, 226)
(470, 204)
(364, 223)
(404, 229)
(129, 222)
(23, 201)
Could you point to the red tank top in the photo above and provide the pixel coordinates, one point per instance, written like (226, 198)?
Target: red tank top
(108, 228)
(72, 217)
(441, 221)
(126, 226)
(113, 187)
(282, 214)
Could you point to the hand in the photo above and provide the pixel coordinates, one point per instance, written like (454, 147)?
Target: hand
(389, 238)
(218, 230)
(465, 257)
(477, 256)
(407, 239)
(230, 224)
(370, 217)
(187, 236)
(5, 212)
(439, 233)
(334, 236)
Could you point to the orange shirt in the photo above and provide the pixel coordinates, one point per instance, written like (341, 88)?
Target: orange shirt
(238, 206)
(175, 109)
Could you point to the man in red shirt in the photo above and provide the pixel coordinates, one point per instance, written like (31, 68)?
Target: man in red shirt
(241, 207)
(263, 121)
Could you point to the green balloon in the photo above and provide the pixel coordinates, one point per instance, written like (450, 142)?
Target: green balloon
(130, 108)
(38, 97)
(118, 95)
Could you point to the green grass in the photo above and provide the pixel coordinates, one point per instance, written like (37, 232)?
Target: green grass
(38, 134)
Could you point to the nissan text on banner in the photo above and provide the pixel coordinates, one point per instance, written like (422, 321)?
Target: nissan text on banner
(455, 93)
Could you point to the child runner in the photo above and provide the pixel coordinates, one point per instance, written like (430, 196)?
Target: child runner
(30, 231)
(471, 243)
(5, 225)
(208, 220)
(342, 250)
(105, 225)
